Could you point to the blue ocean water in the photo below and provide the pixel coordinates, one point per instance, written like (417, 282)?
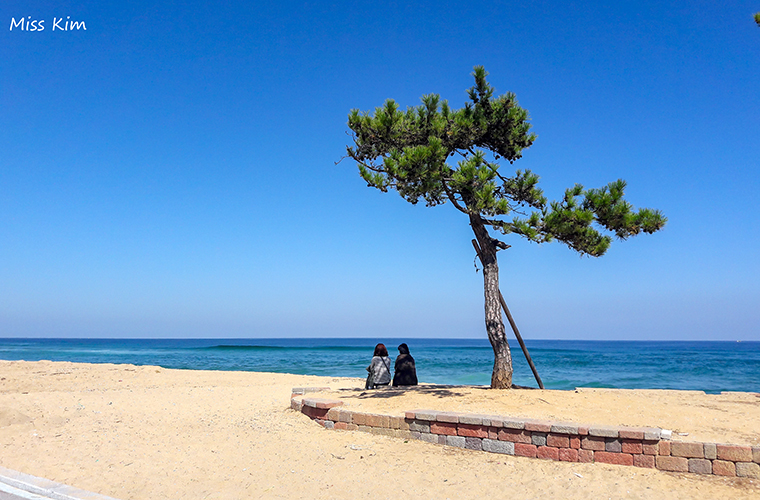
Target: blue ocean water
(562, 364)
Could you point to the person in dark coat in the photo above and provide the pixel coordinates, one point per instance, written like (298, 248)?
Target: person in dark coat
(405, 370)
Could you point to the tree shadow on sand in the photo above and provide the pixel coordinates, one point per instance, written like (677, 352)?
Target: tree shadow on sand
(440, 391)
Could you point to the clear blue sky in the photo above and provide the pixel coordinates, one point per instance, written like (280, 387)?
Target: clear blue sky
(170, 171)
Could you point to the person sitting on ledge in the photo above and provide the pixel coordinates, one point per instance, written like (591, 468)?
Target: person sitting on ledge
(405, 370)
(380, 367)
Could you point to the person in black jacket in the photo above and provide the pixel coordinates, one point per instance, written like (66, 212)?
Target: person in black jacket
(405, 370)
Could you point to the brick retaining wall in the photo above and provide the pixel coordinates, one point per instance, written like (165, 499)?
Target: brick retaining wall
(648, 447)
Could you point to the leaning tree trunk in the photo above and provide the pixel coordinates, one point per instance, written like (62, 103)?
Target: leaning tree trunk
(501, 378)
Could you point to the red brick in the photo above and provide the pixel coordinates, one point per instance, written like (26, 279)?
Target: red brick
(547, 452)
(593, 443)
(734, 453)
(607, 457)
(444, 428)
(632, 446)
(586, 456)
(514, 435)
(320, 413)
(644, 461)
(664, 448)
(673, 464)
(493, 433)
(724, 468)
(342, 426)
(558, 441)
(568, 455)
(649, 448)
(575, 442)
(631, 433)
(326, 404)
(409, 415)
(525, 450)
(468, 430)
(583, 430)
(538, 426)
(687, 450)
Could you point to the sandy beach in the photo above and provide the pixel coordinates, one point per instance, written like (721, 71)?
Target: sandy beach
(140, 432)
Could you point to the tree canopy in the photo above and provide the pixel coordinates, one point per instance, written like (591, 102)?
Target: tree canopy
(409, 151)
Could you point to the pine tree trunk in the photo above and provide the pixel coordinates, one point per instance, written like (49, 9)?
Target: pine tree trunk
(501, 377)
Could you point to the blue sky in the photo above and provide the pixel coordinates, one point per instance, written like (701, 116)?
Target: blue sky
(170, 171)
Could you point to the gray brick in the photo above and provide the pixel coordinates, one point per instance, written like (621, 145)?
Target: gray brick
(428, 415)
(603, 431)
(457, 441)
(429, 438)
(748, 469)
(711, 451)
(700, 466)
(329, 424)
(613, 445)
(419, 426)
(652, 434)
(473, 443)
(538, 438)
(445, 416)
(756, 454)
(472, 420)
(513, 424)
(494, 446)
(565, 429)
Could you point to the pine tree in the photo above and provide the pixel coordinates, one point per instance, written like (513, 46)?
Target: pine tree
(408, 151)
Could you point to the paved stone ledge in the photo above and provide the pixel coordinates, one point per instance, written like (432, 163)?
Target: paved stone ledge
(648, 447)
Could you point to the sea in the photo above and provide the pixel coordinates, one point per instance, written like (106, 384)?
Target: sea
(712, 367)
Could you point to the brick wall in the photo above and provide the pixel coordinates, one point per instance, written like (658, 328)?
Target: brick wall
(648, 447)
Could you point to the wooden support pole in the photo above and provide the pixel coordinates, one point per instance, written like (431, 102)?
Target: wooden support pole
(514, 326)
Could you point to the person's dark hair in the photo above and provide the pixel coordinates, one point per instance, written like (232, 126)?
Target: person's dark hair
(403, 349)
(380, 350)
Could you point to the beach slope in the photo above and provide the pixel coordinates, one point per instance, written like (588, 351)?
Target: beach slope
(142, 432)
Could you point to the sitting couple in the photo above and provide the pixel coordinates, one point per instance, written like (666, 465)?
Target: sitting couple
(405, 372)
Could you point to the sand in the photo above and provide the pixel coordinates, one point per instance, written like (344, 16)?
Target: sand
(151, 433)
